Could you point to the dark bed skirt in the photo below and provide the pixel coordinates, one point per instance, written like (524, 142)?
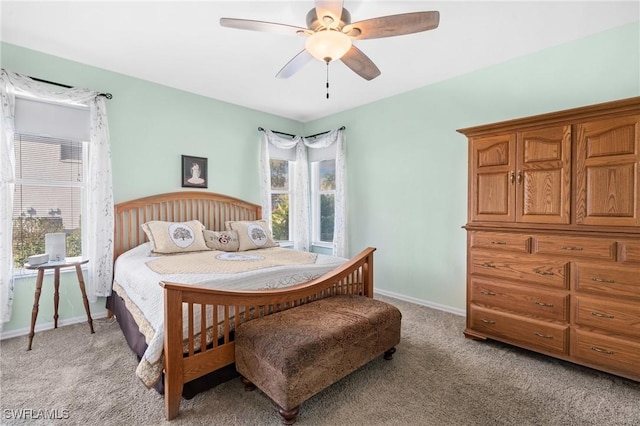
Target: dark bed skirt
(137, 343)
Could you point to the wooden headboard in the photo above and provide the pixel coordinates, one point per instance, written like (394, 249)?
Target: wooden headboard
(209, 208)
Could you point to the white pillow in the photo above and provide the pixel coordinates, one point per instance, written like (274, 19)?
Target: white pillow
(253, 234)
(175, 237)
(222, 240)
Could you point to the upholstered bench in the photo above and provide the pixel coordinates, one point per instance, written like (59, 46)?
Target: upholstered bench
(296, 353)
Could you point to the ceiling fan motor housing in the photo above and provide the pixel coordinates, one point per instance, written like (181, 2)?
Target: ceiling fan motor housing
(313, 23)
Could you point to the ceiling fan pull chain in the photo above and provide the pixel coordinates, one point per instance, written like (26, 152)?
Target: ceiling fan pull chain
(327, 79)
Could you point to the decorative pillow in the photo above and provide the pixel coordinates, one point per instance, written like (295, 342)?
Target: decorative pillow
(253, 234)
(175, 237)
(222, 240)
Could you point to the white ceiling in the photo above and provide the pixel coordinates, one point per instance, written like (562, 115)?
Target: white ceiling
(181, 44)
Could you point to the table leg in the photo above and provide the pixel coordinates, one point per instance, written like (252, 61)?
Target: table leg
(36, 304)
(56, 295)
(84, 296)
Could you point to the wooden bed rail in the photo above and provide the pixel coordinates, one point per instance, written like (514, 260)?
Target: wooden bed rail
(188, 359)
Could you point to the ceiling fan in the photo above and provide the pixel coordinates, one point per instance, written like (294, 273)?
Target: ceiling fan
(330, 35)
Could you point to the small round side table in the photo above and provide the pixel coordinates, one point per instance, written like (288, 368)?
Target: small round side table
(76, 262)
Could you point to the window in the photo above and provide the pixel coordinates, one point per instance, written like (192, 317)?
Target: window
(306, 196)
(323, 195)
(281, 198)
(48, 194)
(50, 170)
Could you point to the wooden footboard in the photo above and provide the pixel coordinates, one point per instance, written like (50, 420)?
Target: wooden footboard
(236, 307)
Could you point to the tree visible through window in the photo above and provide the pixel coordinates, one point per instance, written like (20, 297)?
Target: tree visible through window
(280, 199)
(322, 203)
(323, 199)
(48, 194)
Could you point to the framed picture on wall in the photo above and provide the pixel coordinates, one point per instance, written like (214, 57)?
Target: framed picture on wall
(194, 172)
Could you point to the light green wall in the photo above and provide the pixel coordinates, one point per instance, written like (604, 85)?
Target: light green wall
(150, 126)
(407, 166)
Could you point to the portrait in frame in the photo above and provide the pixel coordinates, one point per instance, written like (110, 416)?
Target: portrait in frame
(194, 172)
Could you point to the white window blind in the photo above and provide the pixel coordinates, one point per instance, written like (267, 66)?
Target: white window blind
(282, 154)
(39, 118)
(320, 154)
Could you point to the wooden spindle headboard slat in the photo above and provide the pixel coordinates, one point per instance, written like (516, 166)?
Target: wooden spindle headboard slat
(209, 208)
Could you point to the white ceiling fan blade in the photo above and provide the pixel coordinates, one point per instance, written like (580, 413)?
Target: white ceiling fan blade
(332, 8)
(295, 64)
(393, 25)
(268, 27)
(360, 64)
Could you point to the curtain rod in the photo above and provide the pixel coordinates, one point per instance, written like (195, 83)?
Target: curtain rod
(293, 136)
(106, 95)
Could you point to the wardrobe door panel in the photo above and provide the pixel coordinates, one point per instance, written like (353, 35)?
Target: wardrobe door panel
(608, 187)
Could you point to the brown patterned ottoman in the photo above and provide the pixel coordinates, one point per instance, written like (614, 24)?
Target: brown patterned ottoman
(294, 354)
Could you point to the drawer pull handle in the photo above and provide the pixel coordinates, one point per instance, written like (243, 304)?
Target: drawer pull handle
(541, 272)
(544, 336)
(599, 315)
(547, 305)
(487, 292)
(572, 248)
(501, 243)
(488, 265)
(600, 350)
(486, 321)
(602, 280)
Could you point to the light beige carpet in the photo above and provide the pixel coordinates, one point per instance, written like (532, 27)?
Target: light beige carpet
(437, 377)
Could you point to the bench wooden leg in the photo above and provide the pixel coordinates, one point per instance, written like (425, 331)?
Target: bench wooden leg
(248, 386)
(288, 416)
(388, 355)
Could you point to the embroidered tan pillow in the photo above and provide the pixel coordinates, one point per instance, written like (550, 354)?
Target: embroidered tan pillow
(222, 240)
(254, 234)
(175, 237)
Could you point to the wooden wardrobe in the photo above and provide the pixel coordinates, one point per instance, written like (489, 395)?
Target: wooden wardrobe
(553, 235)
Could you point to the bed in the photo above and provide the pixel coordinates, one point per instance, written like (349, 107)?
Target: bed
(192, 333)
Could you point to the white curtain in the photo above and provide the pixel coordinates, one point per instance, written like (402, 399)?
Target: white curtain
(299, 207)
(301, 199)
(99, 232)
(336, 137)
(7, 185)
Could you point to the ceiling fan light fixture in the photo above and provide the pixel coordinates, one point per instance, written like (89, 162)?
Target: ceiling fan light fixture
(328, 45)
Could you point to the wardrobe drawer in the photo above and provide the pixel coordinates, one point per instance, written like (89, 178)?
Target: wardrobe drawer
(527, 269)
(608, 352)
(629, 251)
(522, 331)
(615, 317)
(545, 304)
(608, 280)
(517, 243)
(595, 248)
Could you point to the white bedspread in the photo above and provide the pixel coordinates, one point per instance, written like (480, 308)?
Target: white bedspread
(141, 288)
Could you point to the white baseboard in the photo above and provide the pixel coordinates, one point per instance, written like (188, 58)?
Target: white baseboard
(49, 325)
(426, 303)
(80, 319)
